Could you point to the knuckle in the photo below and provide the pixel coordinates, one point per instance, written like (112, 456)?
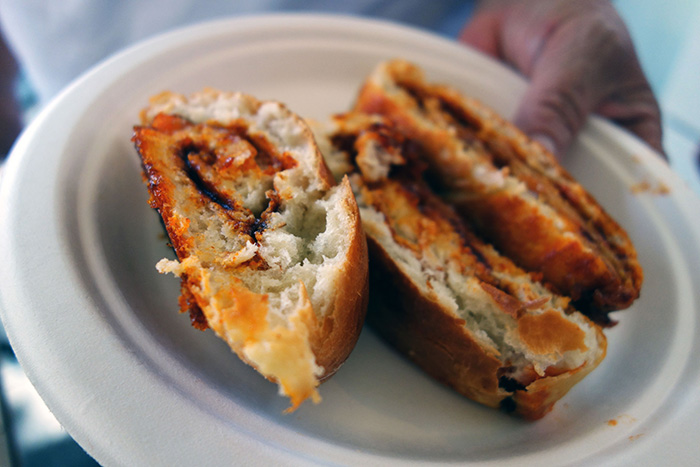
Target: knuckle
(563, 109)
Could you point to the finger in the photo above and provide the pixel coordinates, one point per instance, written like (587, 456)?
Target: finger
(649, 131)
(555, 106)
(637, 110)
(482, 33)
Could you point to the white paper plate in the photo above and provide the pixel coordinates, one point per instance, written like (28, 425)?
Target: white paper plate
(96, 328)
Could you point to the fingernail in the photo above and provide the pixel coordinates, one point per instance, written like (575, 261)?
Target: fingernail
(546, 141)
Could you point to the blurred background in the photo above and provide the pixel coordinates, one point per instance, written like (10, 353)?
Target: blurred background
(667, 37)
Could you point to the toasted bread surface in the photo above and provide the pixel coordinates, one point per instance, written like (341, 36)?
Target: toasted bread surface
(510, 189)
(463, 312)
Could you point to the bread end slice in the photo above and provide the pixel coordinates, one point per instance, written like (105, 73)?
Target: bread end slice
(270, 251)
(464, 313)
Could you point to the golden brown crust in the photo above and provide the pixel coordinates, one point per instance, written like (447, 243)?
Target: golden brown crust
(511, 189)
(228, 191)
(333, 339)
(542, 394)
(437, 341)
(432, 337)
(465, 314)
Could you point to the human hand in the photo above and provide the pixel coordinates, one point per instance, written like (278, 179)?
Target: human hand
(580, 60)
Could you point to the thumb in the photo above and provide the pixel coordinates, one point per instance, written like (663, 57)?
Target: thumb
(482, 33)
(555, 106)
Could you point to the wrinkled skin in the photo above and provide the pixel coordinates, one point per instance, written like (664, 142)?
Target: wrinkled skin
(578, 55)
(579, 58)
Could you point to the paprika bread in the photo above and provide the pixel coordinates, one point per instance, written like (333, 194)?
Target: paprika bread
(270, 251)
(512, 190)
(465, 314)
